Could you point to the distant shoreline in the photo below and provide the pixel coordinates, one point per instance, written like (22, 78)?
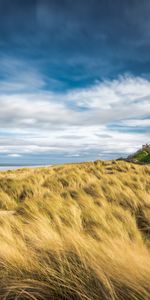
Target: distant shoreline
(16, 167)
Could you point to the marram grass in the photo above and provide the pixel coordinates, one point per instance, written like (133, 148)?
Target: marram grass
(76, 231)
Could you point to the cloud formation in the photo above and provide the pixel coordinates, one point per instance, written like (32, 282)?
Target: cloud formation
(78, 42)
(74, 79)
(104, 119)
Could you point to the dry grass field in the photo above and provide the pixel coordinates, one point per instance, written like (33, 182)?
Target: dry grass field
(75, 232)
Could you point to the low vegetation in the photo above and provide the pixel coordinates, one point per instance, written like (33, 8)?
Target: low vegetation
(142, 155)
(75, 232)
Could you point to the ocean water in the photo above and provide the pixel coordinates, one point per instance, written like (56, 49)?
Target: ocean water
(6, 168)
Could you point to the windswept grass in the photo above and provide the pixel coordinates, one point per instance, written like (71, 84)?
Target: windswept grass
(75, 232)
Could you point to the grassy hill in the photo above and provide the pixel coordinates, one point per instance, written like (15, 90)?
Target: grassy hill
(141, 156)
(75, 231)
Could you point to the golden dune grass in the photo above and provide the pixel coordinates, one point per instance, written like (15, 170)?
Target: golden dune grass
(76, 231)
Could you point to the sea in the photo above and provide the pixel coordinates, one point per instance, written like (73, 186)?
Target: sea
(7, 168)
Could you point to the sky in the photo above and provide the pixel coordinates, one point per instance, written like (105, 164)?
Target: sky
(74, 79)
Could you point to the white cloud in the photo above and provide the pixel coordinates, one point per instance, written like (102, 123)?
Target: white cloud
(19, 76)
(137, 122)
(77, 121)
(14, 155)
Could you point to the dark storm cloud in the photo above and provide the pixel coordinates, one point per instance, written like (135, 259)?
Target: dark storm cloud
(78, 41)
